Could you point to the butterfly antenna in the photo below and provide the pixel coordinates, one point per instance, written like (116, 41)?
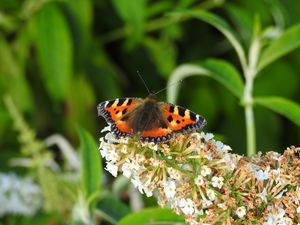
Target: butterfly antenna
(138, 72)
(172, 84)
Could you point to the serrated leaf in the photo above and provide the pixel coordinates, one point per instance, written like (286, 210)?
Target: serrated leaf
(219, 70)
(286, 43)
(283, 106)
(55, 50)
(153, 216)
(109, 213)
(91, 169)
(219, 24)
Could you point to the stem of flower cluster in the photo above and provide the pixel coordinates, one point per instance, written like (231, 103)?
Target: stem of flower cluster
(250, 74)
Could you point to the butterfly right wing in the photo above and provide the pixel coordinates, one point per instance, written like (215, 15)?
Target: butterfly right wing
(181, 120)
(116, 111)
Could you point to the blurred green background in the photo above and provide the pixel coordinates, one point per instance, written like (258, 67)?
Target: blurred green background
(59, 59)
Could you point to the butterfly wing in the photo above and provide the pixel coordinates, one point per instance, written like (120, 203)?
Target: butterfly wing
(115, 112)
(181, 120)
(173, 119)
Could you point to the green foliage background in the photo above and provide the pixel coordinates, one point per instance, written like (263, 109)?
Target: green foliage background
(59, 59)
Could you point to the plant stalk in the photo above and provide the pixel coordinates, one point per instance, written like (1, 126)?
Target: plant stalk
(250, 130)
(250, 73)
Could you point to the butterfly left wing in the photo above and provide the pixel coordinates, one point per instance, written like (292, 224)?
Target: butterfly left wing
(115, 111)
(181, 120)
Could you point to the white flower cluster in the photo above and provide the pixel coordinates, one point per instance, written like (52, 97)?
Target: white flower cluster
(18, 195)
(277, 216)
(200, 179)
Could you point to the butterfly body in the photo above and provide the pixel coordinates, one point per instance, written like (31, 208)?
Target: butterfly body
(151, 120)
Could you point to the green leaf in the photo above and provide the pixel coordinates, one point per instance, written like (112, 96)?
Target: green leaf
(82, 11)
(12, 72)
(80, 104)
(219, 70)
(285, 107)
(133, 13)
(242, 18)
(80, 17)
(222, 26)
(55, 50)
(91, 168)
(162, 53)
(112, 214)
(286, 43)
(153, 216)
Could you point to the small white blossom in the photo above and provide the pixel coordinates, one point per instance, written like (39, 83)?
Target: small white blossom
(110, 138)
(137, 184)
(205, 171)
(208, 156)
(298, 209)
(277, 218)
(126, 169)
(148, 191)
(199, 180)
(206, 203)
(156, 163)
(187, 206)
(226, 148)
(281, 193)
(124, 149)
(104, 149)
(170, 189)
(175, 174)
(261, 175)
(231, 161)
(153, 146)
(211, 194)
(199, 212)
(196, 136)
(113, 156)
(264, 195)
(287, 221)
(241, 211)
(276, 173)
(222, 206)
(217, 182)
(140, 158)
(275, 155)
(219, 146)
(112, 168)
(207, 136)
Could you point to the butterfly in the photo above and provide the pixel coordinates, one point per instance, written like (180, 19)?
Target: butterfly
(151, 120)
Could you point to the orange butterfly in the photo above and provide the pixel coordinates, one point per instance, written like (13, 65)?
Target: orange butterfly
(153, 121)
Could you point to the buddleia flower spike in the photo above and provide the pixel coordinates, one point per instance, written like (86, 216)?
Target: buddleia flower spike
(201, 179)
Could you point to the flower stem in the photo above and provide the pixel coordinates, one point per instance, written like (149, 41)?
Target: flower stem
(249, 115)
(250, 129)
(250, 74)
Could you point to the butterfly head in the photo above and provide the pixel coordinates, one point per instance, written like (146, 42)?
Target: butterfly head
(152, 96)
